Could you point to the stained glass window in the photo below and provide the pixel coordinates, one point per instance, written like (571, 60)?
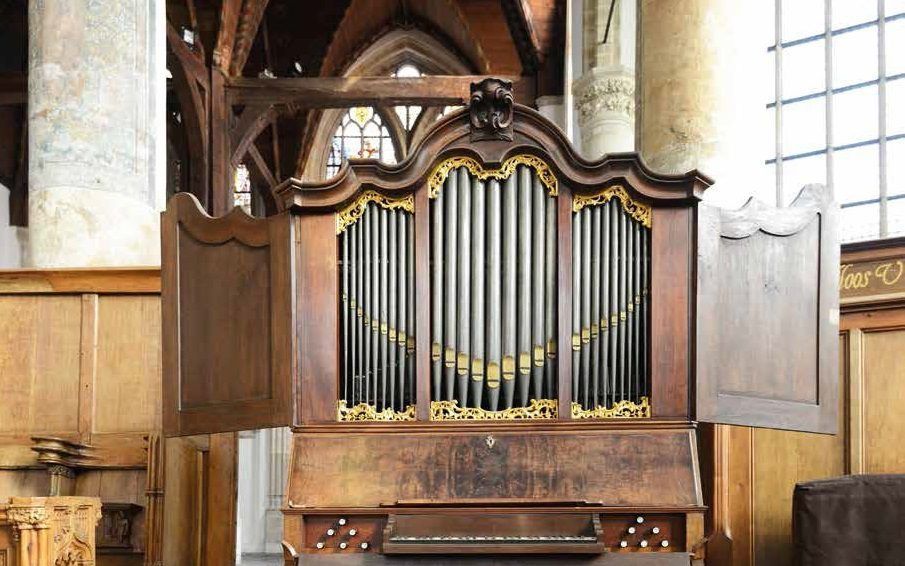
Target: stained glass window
(361, 134)
(242, 188)
(838, 108)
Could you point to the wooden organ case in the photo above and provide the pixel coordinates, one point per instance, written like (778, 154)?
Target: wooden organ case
(497, 346)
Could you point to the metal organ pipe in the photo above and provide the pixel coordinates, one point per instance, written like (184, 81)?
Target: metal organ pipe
(610, 278)
(377, 320)
(495, 308)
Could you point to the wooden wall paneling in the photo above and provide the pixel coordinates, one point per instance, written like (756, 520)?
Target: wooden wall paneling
(39, 371)
(88, 346)
(200, 507)
(127, 384)
(118, 486)
(23, 483)
(884, 397)
(852, 365)
(183, 517)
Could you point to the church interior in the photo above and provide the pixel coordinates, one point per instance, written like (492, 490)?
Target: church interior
(452, 281)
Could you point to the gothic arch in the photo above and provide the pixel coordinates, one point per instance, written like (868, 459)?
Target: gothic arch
(392, 49)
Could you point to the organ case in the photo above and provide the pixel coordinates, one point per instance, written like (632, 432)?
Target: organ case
(497, 346)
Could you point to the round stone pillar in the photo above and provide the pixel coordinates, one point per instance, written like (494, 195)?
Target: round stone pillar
(700, 86)
(604, 95)
(96, 132)
(605, 102)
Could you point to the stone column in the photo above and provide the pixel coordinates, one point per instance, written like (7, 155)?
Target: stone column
(604, 95)
(96, 131)
(700, 83)
(279, 465)
(551, 107)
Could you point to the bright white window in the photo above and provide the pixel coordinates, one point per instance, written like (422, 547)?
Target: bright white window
(836, 107)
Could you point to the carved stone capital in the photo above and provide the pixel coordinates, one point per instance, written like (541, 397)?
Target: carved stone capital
(601, 91)
(491, 110)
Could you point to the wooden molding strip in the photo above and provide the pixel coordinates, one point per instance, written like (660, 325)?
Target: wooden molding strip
(88, 280)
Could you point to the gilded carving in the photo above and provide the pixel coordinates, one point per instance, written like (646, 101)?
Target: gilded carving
(638, 211)
(451, 411)
(621, 410)
(365, 412)
(354, 211)
(441, 171)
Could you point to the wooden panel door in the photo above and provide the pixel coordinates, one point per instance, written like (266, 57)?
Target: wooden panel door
(228, 320)
(768, 315)
(199, 526)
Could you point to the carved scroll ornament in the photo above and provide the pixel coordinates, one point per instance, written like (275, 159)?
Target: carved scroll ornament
(491, 110)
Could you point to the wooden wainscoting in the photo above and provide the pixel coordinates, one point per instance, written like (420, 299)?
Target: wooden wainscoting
(80, 361)
(756, 470)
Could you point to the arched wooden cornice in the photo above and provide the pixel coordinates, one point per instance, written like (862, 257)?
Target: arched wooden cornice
(531, 134)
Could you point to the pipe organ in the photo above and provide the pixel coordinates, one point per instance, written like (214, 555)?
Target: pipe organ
(378, 308)
(493, 286)
(496, 346)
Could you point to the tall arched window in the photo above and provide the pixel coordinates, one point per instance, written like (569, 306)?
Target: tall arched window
(384, 133)
(362, 134)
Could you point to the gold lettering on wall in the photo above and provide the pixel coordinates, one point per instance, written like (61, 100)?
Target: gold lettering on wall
(860, 280)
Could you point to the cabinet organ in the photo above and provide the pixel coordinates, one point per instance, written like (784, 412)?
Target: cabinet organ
(497, 346)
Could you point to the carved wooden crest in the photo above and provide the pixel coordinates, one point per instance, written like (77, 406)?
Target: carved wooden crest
(491, 110)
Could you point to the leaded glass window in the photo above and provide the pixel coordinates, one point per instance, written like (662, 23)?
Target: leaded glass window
(360, 134)
(836, 103)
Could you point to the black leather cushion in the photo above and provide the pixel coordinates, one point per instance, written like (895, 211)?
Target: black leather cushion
(850, 521)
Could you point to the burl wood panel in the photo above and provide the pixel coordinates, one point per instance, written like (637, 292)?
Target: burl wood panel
(39, 364)
(652, 468)
(884, 401)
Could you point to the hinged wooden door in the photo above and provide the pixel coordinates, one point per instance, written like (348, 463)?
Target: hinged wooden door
(768, 315)
(228, 320)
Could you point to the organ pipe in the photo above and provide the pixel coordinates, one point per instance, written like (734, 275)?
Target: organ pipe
(496, 239)
(610, 278)
(377, 320)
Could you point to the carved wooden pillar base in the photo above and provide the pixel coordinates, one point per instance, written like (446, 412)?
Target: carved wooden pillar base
(52, 531)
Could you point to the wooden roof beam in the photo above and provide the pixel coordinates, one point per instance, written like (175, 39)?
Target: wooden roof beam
(341, 92)
(249, 22)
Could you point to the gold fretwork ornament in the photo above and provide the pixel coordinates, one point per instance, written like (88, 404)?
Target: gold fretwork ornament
(352, 213)
(638, 211)
(365, 412)
(441, 171)
(621, 410)
(451, 411)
